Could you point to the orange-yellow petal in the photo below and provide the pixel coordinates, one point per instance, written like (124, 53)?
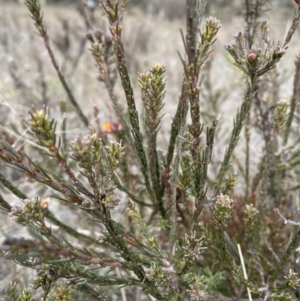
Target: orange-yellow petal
(45, 203)
(106, 126)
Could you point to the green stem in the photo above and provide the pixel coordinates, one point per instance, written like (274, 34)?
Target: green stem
(247, 159)
(133, 114)
(239, 121)
(294, 100)
(291, 247)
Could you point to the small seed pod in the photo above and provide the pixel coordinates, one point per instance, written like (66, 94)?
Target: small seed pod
(252, 56)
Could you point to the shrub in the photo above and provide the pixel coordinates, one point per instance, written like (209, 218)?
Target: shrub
(161, 225)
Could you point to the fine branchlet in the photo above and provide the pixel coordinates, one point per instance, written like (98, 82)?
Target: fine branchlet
(37, 16)
(130, 210)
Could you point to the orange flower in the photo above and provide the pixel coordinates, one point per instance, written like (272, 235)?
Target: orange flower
(111, 127)
(45, 203)
(106, 127)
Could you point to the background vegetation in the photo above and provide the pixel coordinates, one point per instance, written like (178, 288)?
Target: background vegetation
(206, 188)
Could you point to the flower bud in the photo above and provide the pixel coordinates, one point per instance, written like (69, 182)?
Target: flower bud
(252, 56)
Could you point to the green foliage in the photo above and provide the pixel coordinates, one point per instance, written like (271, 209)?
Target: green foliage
(173, 227)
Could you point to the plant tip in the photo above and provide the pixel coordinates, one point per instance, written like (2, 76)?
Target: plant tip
(252, 56)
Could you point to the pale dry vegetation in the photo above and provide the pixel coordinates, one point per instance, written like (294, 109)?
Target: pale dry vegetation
(151, 34)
